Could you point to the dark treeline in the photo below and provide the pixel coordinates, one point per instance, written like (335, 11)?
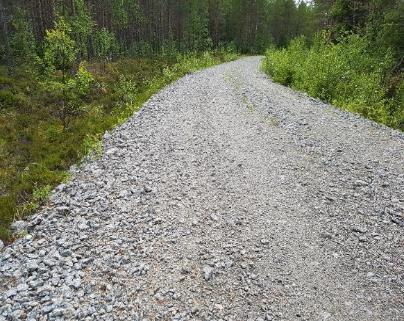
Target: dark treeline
(142, 27)
(102, 28)
(382, 21)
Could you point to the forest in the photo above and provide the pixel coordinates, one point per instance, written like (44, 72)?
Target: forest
(72, 69)
(144, 27)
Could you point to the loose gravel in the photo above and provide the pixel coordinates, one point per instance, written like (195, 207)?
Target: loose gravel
(227, 197)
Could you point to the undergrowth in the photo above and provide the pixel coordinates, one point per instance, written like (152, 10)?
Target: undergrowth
(48, 123)
(350, 74)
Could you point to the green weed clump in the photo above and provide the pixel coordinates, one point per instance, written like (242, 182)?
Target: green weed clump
(50, 121)
(350, 74)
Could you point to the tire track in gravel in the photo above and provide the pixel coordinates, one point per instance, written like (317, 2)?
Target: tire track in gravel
(227, 197)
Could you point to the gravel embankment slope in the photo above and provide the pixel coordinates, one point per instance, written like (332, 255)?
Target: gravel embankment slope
(228, 197)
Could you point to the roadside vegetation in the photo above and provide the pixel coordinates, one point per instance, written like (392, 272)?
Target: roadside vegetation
(48, 124)
(355, 63)
(72, 69)
(57, 100)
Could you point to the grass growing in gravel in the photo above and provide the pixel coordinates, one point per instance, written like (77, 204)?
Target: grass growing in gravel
(351, 74)
(47, 124)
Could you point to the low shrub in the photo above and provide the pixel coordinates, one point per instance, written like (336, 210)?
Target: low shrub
(348, 74)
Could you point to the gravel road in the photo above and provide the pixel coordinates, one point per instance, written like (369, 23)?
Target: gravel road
(227, 197)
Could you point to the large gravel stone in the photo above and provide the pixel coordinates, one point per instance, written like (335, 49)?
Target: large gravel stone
(18, 226)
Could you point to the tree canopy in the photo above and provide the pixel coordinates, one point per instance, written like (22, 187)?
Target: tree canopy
(190, 25)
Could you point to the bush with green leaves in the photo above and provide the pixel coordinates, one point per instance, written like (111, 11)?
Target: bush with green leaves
(69, 96)
(125, 90)
(79, 86)
(60, 49)
(348, 74)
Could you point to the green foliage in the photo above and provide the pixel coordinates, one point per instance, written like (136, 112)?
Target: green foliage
(348, 74)
(22, 42)
(77, 90)
(7, 209)
(60, 50)
(169, 49)
(68, 97)
(283, 20)
(388, 30)
(396, 106)
(92, 145)
(283, 64)
(82, 27)
(123, 12)
(141, 49)
(125, 90)
(105, 44)
(197, 30)
(145, 28)
(80, 85)
(40, 195)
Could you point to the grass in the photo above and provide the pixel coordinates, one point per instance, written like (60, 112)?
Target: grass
(47, 125)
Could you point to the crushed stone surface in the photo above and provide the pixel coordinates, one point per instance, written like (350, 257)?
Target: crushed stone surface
(227, 197)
